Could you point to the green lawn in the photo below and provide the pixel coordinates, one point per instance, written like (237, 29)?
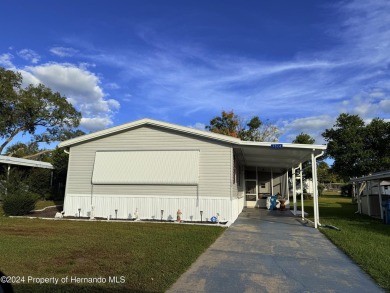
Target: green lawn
(366, 240)
(147, 257)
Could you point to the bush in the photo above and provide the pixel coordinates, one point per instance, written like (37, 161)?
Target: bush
(19, 203)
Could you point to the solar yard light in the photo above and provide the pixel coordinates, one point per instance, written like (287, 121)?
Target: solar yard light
(162, 213)
(201, 216)
(79, 212)
(116, 214)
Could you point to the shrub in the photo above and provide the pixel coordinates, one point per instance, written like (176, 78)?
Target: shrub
(19, 203)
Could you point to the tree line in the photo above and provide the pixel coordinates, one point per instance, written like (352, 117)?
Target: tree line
(357, 148)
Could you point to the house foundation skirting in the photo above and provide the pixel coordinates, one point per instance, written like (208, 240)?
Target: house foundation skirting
(150, 207)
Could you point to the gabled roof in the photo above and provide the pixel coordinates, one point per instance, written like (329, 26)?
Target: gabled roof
(24, 162)
(151, 122)
(267, 154)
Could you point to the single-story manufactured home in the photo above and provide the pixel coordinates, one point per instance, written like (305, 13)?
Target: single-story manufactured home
(152, 169)
(371, 193)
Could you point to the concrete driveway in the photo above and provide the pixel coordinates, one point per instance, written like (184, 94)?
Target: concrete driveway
(271, 251)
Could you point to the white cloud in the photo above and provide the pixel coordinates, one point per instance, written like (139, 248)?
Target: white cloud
(95, 124)
(385, 106)
(112, 86)
(63, 51)
(80, 86)
(29, 55)
(198, 125)
(314, 126)
(5, 60)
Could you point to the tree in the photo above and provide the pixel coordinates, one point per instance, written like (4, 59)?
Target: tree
(304, 138)
(255, 130)
(35, 110)
(227, 124)
(21, 150)
(358, 149)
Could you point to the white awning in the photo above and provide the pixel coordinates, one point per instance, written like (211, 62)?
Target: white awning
(146, 167)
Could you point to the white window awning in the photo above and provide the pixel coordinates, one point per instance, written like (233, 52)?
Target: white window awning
(146, 167)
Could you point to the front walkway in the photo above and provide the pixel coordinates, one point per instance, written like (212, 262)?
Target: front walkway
(267, 251)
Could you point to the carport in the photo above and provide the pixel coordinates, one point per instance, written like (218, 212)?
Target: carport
(282, 158)
(11, 161)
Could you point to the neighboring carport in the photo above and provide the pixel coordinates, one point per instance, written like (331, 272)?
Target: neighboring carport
(372, 192)
(284, 158)
(12, 161)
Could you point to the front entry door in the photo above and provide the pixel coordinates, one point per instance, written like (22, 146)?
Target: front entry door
(250, 193)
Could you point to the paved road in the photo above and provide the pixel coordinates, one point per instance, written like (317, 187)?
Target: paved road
(273, 252)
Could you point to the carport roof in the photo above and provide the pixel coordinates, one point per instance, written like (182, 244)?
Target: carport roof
(277, 155)
(375, 176)
(264, 154)
(24, 162)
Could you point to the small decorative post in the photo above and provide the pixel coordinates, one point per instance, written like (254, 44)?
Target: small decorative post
(162, 213)
(92, 215)
(201, 216)
(116, 214)
(178, 215)
(79, 212)
(136, 214)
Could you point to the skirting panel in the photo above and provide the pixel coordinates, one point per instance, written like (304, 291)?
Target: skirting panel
(150, 207)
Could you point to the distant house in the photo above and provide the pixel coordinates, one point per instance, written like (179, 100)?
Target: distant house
(371, 193)
(157, 168)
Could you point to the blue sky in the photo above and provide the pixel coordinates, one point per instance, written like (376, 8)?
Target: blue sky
(297, 63)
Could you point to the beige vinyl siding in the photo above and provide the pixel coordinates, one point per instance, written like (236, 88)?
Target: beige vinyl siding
(214, 162)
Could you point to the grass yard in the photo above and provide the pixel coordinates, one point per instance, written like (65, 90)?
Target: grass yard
(366, 240)
(146, 257)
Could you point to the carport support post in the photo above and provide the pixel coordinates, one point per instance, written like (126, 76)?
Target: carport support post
(380, 198)
(294, 183)
(368, 199)
(301, 182)
(315, 194)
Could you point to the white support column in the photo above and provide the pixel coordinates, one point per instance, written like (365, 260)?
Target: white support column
(368, 200)
(315, 199)
(294, 183)
(272, 183)
(8, 171)
(287, 186)
(257, 190)
(380, 198)
(301, 182)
